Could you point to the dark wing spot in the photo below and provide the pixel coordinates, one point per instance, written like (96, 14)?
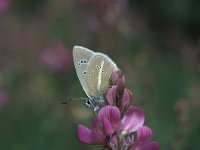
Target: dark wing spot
(79, 64)
(89, 76)
(102, 71)
(97, 66)
(84, 72)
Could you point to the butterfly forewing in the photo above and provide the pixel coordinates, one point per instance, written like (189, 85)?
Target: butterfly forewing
(81, 58)
(99, 70)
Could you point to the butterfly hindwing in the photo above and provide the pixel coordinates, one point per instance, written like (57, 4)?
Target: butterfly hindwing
(81, 57)
(99, 70)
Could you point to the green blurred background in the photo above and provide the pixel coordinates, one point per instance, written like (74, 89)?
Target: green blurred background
(155, 43)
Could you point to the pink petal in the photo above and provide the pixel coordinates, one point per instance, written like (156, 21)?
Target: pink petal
(107, 127)
(144, 133)
(87, 136)
(97, 125)
(112, 113)
(133, 119)
(84, 134)
(145, 146)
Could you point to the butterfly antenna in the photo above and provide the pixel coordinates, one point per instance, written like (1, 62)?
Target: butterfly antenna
(69, 100)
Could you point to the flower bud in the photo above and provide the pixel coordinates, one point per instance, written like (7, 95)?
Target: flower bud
(117, 78)
(125, 100)
(111, 95)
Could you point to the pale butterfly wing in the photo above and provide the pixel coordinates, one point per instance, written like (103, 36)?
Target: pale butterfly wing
(99, 71)
(81, 57)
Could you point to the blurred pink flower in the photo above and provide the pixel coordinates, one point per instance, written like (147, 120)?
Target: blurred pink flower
(106, 13)
(94, 24)
(4, 5)
(113, 131)
(57, 57)
(3, 97)
(107, 3)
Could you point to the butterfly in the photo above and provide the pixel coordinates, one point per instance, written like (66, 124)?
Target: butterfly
(94, 70)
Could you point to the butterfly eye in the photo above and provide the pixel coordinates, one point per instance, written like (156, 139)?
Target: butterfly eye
(85, 61)
(88, 103)
(81, 61)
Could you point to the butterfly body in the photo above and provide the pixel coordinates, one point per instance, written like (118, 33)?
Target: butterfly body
(94, 71)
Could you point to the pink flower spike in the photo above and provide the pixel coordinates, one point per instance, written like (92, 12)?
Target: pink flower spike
(111, 95)
(87, 136)
(112, 113)
(144, 133)
(133, 119)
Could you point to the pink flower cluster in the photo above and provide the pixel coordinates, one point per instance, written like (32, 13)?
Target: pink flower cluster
(56, 58)
(4, 5)
(118, 125)
(106, 13)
